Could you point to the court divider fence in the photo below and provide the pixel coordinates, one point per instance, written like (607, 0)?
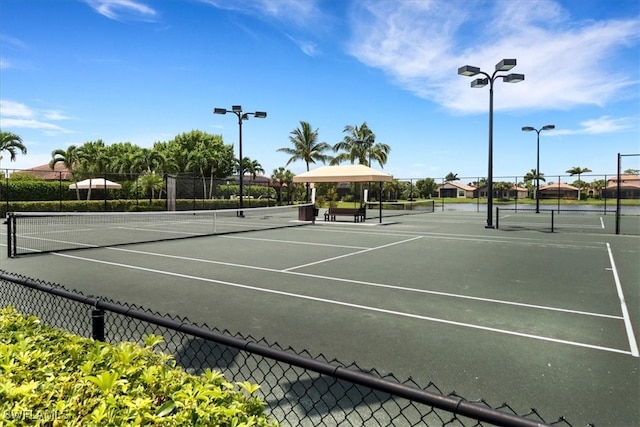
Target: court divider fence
(298, 389)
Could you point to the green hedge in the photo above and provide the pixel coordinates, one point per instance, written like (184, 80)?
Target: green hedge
(53, 378)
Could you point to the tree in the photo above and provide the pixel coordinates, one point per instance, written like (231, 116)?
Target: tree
(451, 177)
(12, 143)
(532, 175)
(306, 147)
(360, 145)
(632, 171)
(577, 170)
(426, 187)
(70, 159)
(93, 160)
(254, 168)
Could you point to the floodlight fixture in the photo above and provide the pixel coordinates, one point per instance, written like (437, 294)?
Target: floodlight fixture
(505, 65)
(514, 78)
(236, 108)
(219, 111)
(548, 127)
(468, 70)
(479, 83)
(260, 114)
(528, 129)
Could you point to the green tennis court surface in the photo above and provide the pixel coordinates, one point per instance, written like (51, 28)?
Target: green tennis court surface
(535, 319)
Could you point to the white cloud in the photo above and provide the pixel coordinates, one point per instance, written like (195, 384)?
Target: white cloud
(121, 10)
(565, 63)
(600, 125)
(17, 115)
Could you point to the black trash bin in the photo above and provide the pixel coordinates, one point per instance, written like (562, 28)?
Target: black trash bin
(305, 213)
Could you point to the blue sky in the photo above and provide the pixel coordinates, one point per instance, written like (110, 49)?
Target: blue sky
(142, 71)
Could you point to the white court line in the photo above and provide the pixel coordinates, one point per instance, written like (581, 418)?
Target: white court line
(351, 254)
(293, 242)
(372, 284)
(345, 304)
(633, 345)
(601, 223)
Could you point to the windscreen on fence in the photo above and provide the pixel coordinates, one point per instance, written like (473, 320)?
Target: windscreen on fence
(38, 232)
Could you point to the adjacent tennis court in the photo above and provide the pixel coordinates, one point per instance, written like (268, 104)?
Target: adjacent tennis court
(534, 319)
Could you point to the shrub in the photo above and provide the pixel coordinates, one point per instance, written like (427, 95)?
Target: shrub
(51, 377)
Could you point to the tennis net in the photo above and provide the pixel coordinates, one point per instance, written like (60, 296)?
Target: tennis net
(41, 232)
(399, 208)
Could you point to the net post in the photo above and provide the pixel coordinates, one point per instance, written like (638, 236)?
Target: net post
(9, 236)
(552, 229)
(497, 217)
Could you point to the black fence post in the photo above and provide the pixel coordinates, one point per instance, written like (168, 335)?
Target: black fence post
(97, 324)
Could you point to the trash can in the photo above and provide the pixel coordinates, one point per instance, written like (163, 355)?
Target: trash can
(305, 213)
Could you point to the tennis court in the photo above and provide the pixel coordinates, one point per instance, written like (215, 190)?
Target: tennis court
(535, 319)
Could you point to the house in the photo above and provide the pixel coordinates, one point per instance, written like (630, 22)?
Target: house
(58, 173)
(456, 189)
(559, 191)
(629, 187)
(514, 192)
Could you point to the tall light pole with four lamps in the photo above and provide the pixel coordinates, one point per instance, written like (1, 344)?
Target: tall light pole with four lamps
(237, 110)
(469, 71)
(530, 129)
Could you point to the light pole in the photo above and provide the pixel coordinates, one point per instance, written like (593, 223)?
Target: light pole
(537, 131)
(469, 71)
(237, 110)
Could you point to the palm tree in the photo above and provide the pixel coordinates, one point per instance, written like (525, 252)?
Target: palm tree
(254, 168)
(577, 170)
(451, 177)
(360, 145)
(12, 143)
(70, 159)
(531, 176)
(306, 147)
(93, 159)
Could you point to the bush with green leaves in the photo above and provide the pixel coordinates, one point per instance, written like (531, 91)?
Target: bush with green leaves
(50, 377)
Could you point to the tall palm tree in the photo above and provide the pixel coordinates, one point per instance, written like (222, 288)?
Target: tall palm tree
(360, 145)
(70, 159)
(306, 147)
(12, 143)
(93, 159)
(577, 170)
(254, 168)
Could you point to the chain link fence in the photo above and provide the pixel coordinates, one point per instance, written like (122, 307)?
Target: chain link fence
(299, 388)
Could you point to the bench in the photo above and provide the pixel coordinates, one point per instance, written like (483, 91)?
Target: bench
(356, 213)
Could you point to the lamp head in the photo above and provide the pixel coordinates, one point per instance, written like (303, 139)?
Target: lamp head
(260, 114)
(528, 129)
(236, 108)
(479, 83)
(548, 127)
(514, 78)
(219, 111)
(505, 65)
(468, 70)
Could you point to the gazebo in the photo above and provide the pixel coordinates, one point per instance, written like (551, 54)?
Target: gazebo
(347, 173)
